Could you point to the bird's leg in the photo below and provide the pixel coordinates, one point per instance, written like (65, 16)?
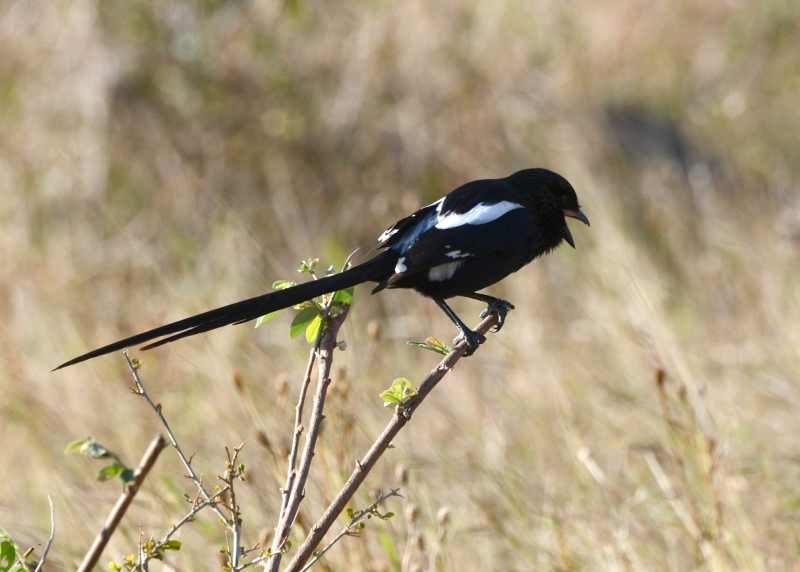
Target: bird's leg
(473, 338)
(496, 306)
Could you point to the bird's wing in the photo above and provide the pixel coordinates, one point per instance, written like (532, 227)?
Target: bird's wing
(443, 248)
(405, 231)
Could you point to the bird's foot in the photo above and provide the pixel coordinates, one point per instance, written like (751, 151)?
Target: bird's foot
(472, 339)
(499, 308)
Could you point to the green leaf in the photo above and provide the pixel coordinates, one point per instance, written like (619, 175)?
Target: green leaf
(301, 321)
(308, 265)
(8, 552)
(110, 471)
(171, 545)
(88, 447)
(266, 318)
(282, 284)
(398, 393)
(344, 297)
(307, 304)
(75, 446)
(432, 345)
(312, 331)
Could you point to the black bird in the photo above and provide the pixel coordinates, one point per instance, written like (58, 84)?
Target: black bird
(473, 237)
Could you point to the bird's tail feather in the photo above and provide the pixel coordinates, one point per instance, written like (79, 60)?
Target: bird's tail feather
(246, 310)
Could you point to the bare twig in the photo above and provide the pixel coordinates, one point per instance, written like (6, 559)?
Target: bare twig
(326, 344)
(293, 491)
(232, 473)
(364, 466)
(47, 546)
(358, 516)
(291, 472)
(22, 559)
(139, 389)
(188, 517)
(122, 504)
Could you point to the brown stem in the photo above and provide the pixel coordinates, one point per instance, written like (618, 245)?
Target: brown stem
(365, 465)
(43, 559)
(291, 472)
(326, 346)
(115, 516)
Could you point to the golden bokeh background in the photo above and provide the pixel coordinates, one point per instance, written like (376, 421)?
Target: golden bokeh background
(161, 158)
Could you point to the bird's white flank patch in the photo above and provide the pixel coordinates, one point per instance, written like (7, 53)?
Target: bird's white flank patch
(400, 267)
(443, 272)
(479, 214)
(457, 254)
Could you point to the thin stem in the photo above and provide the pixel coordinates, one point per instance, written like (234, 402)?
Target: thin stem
(358, 516)
(47, 546)
(231, 475)
(326, 344)
(188, 517)
(298, 430)
(364, 466)
(141, 391)
(118, 511)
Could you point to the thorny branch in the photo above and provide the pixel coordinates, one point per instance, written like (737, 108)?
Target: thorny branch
(291, 471)
(234, 471)
(364, 466)
(233, 523)
(296, 479)
(357, 517)
(189, 516)
(139, 389)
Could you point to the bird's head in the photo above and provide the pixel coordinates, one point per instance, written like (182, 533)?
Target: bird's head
(550, 192)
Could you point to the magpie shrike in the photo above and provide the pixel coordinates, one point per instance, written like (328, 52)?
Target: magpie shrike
(471, 238)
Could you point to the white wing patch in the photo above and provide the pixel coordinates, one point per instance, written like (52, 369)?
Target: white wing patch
(479, 214)
(457, 254)
(443, 272)
(400, 267)
(387, 234)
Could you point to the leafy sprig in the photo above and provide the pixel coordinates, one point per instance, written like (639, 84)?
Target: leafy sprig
(91, 448)
(311, 314)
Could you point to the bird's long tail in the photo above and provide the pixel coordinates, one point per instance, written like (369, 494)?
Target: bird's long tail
(373, 270)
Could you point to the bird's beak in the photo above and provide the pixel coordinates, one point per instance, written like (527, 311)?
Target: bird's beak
(577, 214)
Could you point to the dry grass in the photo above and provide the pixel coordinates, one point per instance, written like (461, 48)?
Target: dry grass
(157, 159)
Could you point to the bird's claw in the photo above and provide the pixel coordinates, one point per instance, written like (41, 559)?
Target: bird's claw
(472, 340)
(499, 308)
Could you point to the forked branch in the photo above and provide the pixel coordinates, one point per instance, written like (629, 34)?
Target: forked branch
(364, 466)
(296, 479)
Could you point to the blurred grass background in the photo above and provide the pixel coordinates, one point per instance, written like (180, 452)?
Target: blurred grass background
(158, 159)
